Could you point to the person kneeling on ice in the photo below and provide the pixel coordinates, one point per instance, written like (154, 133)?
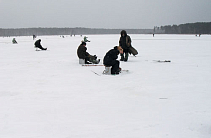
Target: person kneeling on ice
(110, 59)
(38, 45)
(14, 41)
(82, 54)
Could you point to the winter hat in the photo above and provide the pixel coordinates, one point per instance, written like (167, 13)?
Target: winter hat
(123, 32)
(115, 47)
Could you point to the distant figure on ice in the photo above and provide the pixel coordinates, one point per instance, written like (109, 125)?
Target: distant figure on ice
(38, 45)
(14, 41)
(125, 43)
(85, 39)
(153, 35)
(82, 54)
(110, 59)
(34, 36)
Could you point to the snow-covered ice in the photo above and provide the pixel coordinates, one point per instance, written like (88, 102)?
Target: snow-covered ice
(47, 94)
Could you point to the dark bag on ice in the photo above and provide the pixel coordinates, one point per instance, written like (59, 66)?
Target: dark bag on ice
(133, 51)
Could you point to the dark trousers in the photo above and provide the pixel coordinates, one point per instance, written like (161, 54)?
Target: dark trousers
(40, 47)
(86, 60)
(115, 66)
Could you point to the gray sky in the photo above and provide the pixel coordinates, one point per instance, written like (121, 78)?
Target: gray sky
(137, 14)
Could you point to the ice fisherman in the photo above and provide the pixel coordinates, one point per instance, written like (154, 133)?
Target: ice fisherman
(110, 59)
(38, 45)
(14, 41)
(34, 36)
(83, 54)
(125, 43)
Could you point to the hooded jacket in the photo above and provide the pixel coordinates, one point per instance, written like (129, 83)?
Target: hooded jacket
(110, 56)
(125, 41)
(81, 52)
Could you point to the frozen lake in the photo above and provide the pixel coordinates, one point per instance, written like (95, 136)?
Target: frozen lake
(47, 94)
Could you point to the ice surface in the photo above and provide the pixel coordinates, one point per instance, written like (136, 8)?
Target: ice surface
(47, 94)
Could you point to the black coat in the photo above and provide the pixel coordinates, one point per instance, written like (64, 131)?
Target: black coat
(110, 56)
(37, 43)
(81, 52)
(125, 41)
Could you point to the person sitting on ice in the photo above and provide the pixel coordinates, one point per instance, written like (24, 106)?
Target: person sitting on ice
(82, 54)
(14, 41)
(110, 59)
(38, 45)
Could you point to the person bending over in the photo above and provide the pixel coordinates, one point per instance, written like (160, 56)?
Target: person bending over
(110, 59)
(38, 45)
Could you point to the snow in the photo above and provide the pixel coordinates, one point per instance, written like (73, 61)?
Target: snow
(47, 94)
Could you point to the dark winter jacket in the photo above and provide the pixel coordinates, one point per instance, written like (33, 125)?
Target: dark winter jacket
(37, 43)
(125, 41)
(81, 52)
(110, 56)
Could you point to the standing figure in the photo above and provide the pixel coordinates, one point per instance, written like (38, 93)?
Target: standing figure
(34, 36)
(82, 54)
(38, 45)
(125, 43)
(110, 59)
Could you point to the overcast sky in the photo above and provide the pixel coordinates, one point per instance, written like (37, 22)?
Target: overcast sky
(120, 14)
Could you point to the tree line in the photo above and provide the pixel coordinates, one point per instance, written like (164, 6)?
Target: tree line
(69, 31)
(188, 28)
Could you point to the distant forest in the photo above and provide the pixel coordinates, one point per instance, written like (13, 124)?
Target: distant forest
(189, 28)
(70, 31)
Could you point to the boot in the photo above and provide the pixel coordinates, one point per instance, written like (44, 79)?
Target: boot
(118, 71)
(87, 62)
(122, 57)
(126, 57)
(96, 61)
